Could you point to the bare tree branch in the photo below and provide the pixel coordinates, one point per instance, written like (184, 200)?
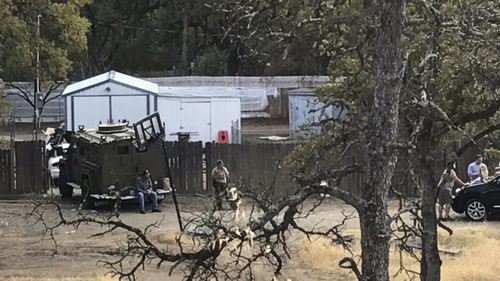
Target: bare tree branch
(23, 93)
(478, 136)
(52, 88)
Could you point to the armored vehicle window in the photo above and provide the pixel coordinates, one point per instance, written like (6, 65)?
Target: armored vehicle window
(123, 150)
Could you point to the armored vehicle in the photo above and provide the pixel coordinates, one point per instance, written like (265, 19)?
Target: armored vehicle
(104, 163)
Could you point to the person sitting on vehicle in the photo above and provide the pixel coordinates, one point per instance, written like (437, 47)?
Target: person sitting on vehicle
(219, 181)
(144, 186)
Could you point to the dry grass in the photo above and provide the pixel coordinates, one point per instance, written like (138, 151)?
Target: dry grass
(478, 243)
(321, 255)
(478, 260)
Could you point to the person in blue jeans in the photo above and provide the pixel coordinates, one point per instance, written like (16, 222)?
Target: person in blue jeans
(144, 187)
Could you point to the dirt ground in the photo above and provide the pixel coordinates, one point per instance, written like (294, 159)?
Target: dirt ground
(23, 256)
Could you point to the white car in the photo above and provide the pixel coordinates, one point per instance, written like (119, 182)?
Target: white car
(53, 163)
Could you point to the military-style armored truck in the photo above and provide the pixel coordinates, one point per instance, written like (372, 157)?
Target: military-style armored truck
(104, 163)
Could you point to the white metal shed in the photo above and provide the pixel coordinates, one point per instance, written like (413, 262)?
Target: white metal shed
(305, 112)
(108, 97)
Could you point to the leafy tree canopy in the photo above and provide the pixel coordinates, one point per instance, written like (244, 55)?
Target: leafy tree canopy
(62, 37)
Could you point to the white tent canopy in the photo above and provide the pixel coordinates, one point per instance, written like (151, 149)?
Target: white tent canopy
(252, 99)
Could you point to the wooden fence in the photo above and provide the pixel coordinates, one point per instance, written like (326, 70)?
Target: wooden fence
(257, 165)
(21, 170)
(186, 164)
(5, 171)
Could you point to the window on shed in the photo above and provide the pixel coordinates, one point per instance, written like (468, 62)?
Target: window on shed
(123, 150)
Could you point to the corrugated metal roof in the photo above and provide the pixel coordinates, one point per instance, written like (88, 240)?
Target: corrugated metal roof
(112, 76)
(252, 99)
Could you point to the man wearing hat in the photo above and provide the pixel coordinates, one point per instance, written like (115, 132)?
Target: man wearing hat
(144, 187)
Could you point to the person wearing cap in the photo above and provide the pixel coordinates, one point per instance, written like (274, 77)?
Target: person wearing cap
(144, 187)
(474, 169)
(219, 181)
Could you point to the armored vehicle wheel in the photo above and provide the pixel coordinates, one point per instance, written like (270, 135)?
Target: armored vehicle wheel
(65, 190)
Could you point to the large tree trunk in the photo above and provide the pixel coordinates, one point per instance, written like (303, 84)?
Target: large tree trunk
(430, 265)
(382, 133)
(185, 38)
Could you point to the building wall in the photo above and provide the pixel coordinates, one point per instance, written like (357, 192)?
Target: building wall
(106, 102)
(278, 106)
(202, 116)
(169, 110)
(225, 114)
(306, 111)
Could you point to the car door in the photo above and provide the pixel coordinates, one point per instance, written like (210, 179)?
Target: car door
(493, 195)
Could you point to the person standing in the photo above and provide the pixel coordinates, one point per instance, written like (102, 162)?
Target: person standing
(219, 182)
(483, 172)
(144, 187)
(446, 183)
(474, 169)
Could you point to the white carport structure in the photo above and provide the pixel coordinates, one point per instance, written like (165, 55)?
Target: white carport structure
(106, 98)
(203, 111)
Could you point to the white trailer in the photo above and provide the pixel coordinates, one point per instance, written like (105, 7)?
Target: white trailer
(202, 111)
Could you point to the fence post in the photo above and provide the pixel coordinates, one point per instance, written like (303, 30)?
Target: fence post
(208, 166)
(12, 164)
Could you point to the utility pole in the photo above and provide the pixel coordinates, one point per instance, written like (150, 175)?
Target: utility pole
(37, 86)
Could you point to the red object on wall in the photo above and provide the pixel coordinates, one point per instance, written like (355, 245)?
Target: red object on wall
(222, 136)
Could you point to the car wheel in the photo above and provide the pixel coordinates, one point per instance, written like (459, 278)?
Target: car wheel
(475, 210)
